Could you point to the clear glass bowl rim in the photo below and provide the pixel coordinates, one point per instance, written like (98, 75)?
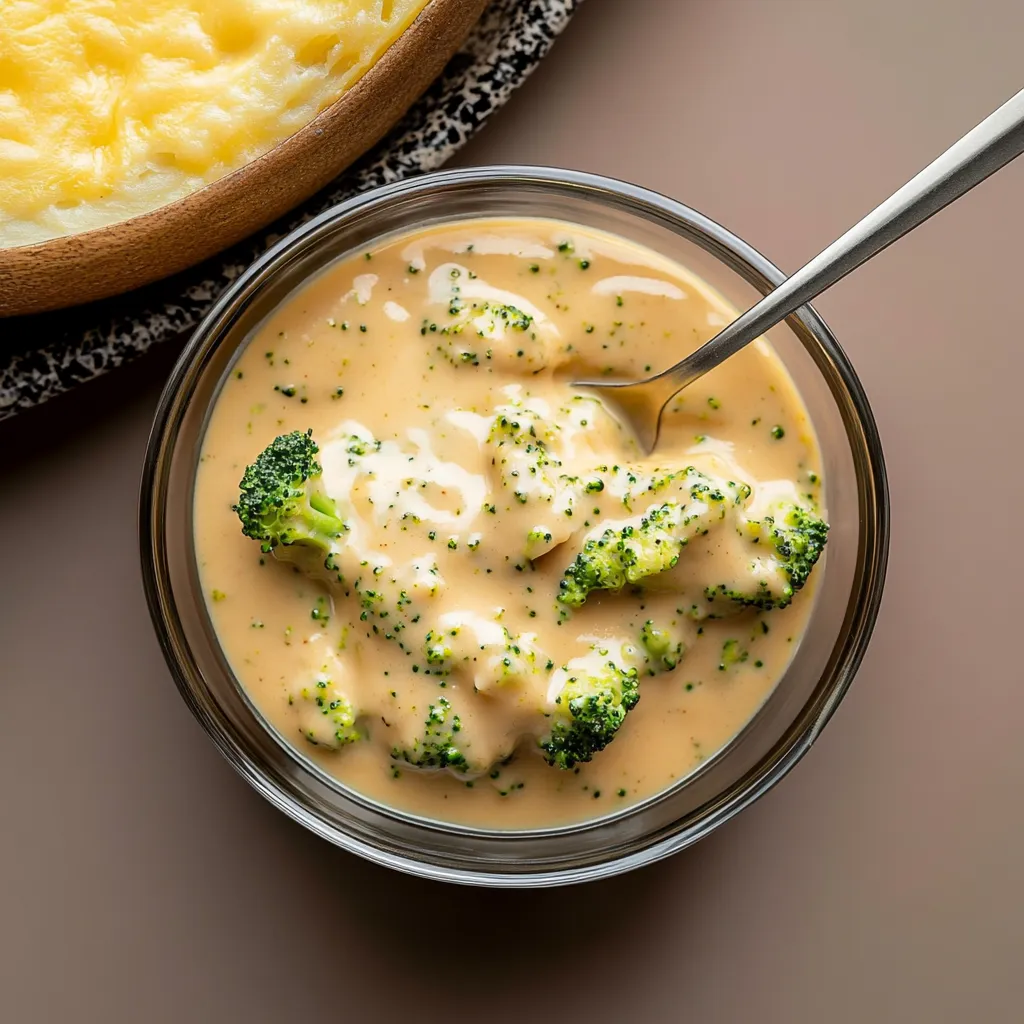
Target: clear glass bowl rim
(718, 241)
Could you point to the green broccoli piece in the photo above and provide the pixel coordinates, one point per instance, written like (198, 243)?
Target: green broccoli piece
(359, 447)
(486, 651)
(438, 652)
(732, 654)
(794, 538)
(630, 552)
(664, 648)
(473, 326)
(538, 541)
(592, 705)
(327, 716)
(717, 495)
(625, 554)
(522, 456)
(436, 748)
(485, 318)
(281, 502)
(517, 427)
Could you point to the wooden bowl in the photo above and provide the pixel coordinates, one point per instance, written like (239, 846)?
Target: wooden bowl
(106, 261)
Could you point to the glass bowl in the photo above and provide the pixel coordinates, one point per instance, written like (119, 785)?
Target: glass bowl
(773, 741)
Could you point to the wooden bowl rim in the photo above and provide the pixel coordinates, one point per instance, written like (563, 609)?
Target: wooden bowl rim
(437, 19)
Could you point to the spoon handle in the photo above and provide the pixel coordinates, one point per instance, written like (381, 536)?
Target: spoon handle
(981, 152)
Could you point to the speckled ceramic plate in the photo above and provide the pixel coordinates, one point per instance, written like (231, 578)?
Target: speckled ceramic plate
(42, 356)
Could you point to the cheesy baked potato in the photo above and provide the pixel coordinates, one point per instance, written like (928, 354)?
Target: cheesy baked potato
(113, 108)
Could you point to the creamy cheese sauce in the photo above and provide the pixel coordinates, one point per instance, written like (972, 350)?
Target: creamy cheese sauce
(433, 373)
(111, 108)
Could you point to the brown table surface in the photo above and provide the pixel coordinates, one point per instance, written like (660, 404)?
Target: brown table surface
(141, 880)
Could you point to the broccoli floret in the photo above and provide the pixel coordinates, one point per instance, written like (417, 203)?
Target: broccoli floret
(631, 551)
(789, 544)
(627, 554)
(485, 319)
(281, 502)
(437, 747)
(663, 646)
(467, 339)
(507, 667)
(481, 649)
(798, 537)
(519, 429)
(718, 495)
(525, 459)
(592, 704)
(327, 717)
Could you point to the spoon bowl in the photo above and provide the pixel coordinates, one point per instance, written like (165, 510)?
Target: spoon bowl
(637, 404)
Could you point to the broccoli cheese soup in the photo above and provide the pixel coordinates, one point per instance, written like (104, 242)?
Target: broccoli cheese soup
(451, 579)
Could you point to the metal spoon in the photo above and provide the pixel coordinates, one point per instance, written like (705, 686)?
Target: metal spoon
(981, 152)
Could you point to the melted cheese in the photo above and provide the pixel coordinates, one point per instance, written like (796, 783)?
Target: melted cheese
(110, 108)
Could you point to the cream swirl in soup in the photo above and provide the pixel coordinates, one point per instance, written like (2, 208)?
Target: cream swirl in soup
(451, 579)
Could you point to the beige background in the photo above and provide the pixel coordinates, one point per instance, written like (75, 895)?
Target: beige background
(141, 880)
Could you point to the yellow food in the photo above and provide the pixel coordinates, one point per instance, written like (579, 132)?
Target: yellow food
(495, 573)
(110, 108)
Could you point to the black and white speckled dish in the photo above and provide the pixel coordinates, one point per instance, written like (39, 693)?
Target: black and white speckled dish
(44, 355)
